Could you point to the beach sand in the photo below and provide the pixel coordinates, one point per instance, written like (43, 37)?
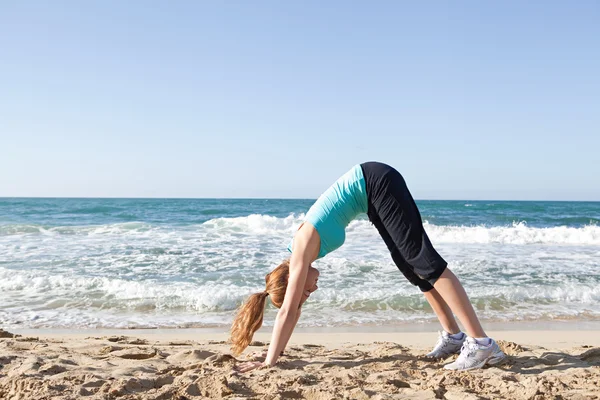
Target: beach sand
(188, 364)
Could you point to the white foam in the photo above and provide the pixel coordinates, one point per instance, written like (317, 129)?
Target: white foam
(122, 294)
(518, 233)
(256, 224)
(142, 275)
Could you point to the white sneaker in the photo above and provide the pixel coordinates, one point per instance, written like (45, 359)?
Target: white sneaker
(446, 346)
(474, 355)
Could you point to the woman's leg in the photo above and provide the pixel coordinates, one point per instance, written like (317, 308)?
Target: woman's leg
(452, 292)
(437, 303)
(442, 311)
(394, 211)
(449, 341)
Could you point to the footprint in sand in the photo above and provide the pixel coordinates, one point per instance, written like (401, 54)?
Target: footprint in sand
(189, 356)
(220, 359)
(109, 349)
(126, 340)
(343, 356)
(29, 366)
(591, 356)
(96, 383)
(52, 369)
(135, 353)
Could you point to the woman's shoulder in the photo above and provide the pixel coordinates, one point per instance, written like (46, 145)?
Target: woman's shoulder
(306, 239)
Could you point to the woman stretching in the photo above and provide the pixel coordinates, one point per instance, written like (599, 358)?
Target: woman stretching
(380, 191)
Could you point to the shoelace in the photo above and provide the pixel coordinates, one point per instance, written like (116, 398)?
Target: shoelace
(441, 342)
(468, 348)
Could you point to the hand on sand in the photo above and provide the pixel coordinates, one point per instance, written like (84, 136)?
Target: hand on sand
(248, 366)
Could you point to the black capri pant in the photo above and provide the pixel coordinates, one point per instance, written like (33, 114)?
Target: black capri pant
(395, 215)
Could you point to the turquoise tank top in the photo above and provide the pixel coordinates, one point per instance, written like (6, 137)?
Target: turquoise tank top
(336, 208)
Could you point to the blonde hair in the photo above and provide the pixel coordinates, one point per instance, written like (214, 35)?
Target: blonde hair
(249, 317)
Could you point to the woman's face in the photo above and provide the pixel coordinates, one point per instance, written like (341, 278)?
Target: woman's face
(311, 283)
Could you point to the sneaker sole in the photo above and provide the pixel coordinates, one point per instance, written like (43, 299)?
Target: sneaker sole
(495, 359)
(476, 366)
(442, 357)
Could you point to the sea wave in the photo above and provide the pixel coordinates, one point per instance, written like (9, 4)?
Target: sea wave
(41, 298)
(516, 233)
(256, 224)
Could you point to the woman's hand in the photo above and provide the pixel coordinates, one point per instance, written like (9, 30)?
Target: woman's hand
(248, 366)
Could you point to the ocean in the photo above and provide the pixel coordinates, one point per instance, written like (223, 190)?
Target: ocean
(166, 263)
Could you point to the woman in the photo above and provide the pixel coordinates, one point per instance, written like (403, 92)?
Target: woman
(380, 191)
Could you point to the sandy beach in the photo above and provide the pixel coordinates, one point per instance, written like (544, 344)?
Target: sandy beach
(187, 364)
(358, 175)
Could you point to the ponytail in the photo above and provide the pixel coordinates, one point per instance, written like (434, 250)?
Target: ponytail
(247, 321)
(250, 315)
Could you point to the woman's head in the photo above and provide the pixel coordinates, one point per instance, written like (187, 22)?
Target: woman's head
(250, 315)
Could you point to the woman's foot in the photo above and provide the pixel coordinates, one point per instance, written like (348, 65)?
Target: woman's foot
(447, 345)
(475, 355)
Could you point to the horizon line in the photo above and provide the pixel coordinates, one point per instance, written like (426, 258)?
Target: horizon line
(262, 198)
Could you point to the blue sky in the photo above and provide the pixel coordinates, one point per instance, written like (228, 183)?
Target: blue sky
(468, 99)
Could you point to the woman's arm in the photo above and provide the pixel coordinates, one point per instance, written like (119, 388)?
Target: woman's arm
(305, 251)
(260, 356)
(305, 295)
